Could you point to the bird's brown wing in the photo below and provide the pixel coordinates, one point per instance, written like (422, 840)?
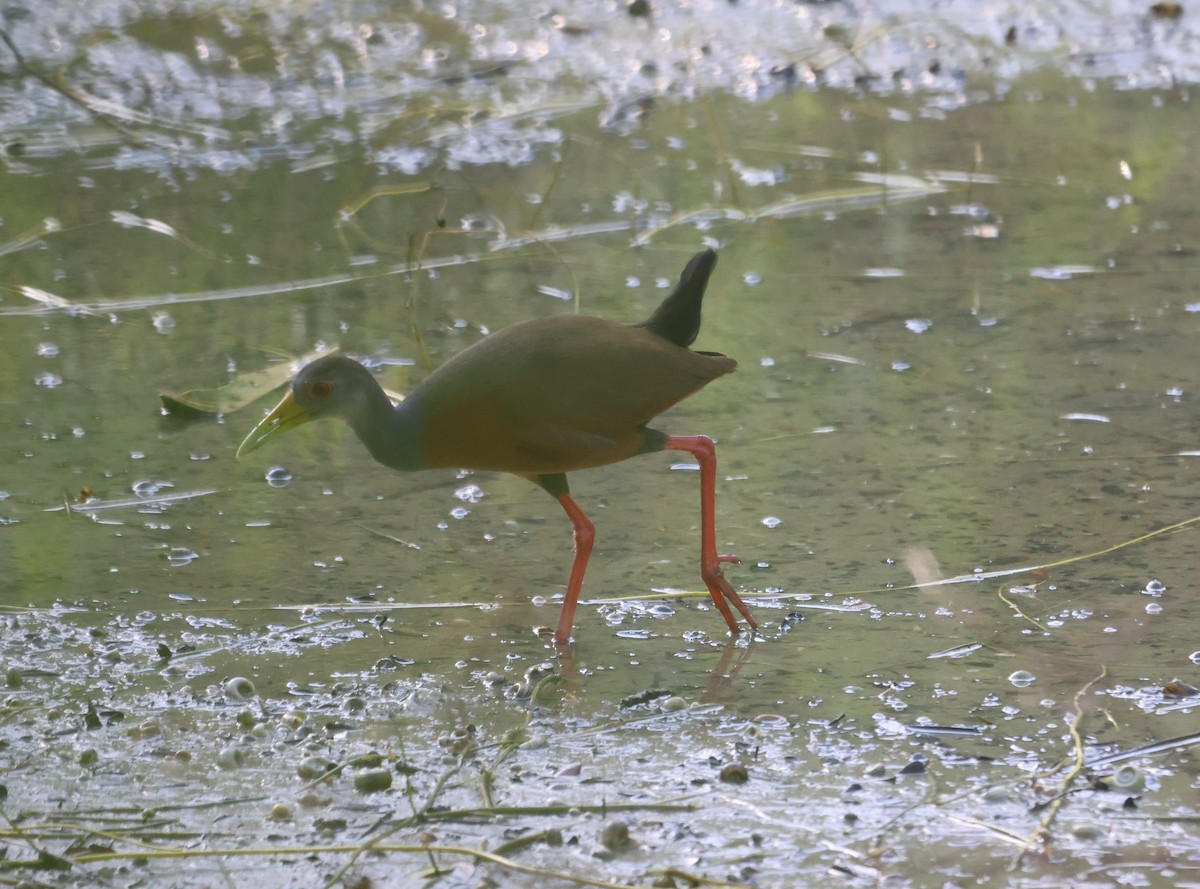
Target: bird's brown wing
(557, 394)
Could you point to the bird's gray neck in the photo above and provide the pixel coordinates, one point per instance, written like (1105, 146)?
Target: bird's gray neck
(394, 437)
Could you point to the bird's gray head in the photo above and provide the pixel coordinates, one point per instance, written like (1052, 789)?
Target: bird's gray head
(334, 386)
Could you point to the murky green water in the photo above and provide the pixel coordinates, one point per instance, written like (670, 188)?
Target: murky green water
(966, 331)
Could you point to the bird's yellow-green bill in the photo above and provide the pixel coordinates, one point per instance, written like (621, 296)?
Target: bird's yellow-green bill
(286, 415)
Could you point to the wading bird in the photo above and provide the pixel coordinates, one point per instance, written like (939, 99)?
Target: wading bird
(539, 399)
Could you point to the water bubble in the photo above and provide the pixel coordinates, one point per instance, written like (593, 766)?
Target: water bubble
(1060, 272)
(752, 278)
(181, 555)
(147, 488)
(47, 350)
(918, 325)
(459, 512)
(278, 476)
(986, 231)
(162, 322)
(767, 362)
(1022, 678)
(469, 493)
(48, 380)
(1154, 588)
(624, 203)
(634, 633)
(772, 521)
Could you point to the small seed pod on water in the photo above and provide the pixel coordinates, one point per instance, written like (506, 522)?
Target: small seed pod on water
(734, 773)
(1126, 779)
(615, 836)
(231, 757)
(313, 767)
(239, 688)
(372, 780)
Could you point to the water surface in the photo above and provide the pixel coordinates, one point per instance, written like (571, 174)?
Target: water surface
(966, 336)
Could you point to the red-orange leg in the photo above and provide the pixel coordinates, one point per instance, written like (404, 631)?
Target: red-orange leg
(584, 532)
(702, 448)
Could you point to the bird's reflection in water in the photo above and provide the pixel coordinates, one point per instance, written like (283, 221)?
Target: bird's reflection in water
(570, 680)
(721, 684)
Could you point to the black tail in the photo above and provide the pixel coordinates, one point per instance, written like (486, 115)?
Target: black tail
(677, 320)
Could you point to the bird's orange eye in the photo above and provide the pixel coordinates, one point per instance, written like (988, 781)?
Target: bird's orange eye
(321, 389)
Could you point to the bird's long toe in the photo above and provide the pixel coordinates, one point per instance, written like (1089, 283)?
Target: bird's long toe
(723, 595)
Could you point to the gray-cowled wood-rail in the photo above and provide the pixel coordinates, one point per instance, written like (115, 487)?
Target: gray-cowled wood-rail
(539, 399)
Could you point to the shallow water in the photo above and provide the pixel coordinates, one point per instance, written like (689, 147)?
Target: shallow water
(966, 336)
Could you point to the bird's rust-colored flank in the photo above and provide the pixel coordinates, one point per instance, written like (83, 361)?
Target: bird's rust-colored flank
(539, 399)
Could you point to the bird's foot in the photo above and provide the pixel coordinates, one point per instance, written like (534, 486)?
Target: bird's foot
(723, 594)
